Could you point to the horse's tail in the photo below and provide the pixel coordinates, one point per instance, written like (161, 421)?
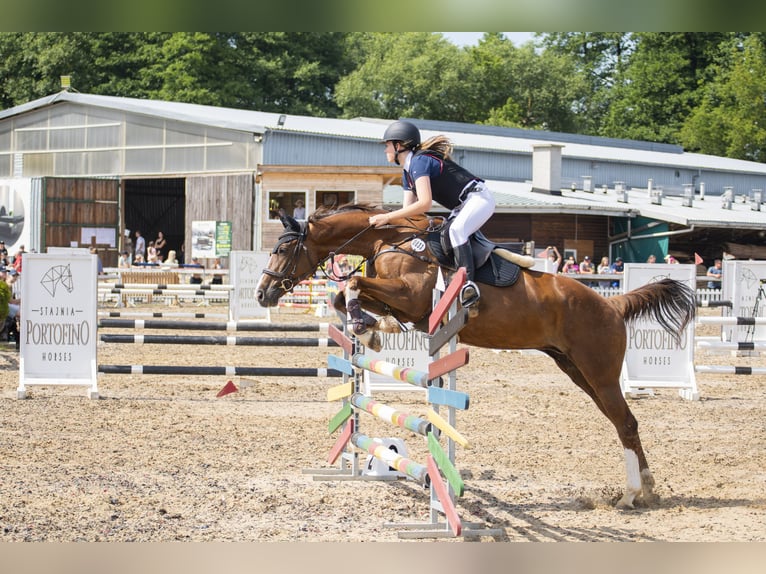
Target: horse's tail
(671, 303)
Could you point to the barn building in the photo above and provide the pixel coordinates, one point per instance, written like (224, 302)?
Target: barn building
(80, 169)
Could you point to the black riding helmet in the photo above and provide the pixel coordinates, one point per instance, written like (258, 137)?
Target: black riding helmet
(405, 133)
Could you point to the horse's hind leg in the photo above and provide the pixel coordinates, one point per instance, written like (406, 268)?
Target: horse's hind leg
(610, 401)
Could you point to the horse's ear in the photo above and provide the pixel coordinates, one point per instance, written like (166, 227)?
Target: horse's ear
(289, 222)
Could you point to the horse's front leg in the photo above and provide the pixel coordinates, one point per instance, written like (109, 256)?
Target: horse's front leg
(382, 294)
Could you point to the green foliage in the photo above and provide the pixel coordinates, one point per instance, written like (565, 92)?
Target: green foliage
(703, 89)
(731, 119)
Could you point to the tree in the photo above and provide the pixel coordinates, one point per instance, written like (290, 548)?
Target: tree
(599, 58)
(731, 118)
(659, 86)
(524, 88)
(413, 74)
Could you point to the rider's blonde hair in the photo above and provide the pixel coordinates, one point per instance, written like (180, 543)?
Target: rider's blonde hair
(440, 144)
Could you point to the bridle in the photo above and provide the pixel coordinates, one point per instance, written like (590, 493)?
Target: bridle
(287, 279)
(297, 233)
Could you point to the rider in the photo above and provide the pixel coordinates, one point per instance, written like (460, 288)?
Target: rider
(430, 174)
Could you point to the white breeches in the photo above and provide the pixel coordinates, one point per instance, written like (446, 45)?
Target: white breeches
(471, 214)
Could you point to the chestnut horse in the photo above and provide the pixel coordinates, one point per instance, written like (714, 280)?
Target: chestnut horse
(581, 330)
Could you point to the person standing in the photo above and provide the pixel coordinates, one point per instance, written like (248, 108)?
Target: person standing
(299, 212)
(717, 272)
(428, 174)
(160, 244)
(140, 246)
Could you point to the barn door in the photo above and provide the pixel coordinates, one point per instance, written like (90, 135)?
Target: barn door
(82, 213)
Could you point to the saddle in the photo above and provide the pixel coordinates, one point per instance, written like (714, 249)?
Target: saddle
(497, 264)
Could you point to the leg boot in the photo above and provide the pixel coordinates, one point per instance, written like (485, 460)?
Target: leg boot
(469, 294)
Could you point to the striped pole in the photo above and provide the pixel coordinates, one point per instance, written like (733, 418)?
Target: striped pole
(412, 469)
(218, 340)
(732, 320)
(165, 287)
(707, 303)
(216, 371)
(159, 314)
(404, 374)
(730, 370)
(736, 346)
(213, 325)
(403, 420)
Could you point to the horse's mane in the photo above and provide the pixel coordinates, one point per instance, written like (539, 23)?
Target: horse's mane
(324, 212)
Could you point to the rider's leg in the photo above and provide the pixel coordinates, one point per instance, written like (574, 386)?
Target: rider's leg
(474, 212)
(469, 294)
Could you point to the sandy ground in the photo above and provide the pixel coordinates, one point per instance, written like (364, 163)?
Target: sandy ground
(160, 458)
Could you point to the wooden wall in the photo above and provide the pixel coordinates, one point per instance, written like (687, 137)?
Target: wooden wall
(221, 198)
(367, 188)
(74, 204)
(578, 231)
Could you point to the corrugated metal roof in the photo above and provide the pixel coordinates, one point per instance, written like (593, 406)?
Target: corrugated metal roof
(515, 197)
(511, 196)
(373, 129)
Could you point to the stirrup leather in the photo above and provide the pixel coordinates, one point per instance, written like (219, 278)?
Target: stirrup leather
(469, 294)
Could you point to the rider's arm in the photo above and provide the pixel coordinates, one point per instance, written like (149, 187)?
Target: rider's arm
(412, 204)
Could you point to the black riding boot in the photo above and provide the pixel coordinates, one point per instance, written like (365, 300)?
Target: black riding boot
(469, 294)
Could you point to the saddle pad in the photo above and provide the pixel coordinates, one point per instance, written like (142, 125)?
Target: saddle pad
(498, 272)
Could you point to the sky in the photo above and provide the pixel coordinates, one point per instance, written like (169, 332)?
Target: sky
(471, 38)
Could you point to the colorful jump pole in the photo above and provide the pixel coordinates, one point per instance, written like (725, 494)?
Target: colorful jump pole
(412, 469)
(404, 374)
(404, 420)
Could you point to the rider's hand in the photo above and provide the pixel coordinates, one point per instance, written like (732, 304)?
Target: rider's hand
(379, 220)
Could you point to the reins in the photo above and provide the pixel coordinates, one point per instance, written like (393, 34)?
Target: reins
(288, 279)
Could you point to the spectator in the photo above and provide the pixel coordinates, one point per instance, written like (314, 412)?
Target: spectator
(717, 272)
(217, 277)
(651, 259)
(300, 211)
(99, 264)
(553, 255)
(586, 266)
(196, 278)
(140, 246)
(571, 266)
(151, 254)
(18, 259)
(171, 259)
(618, 266)
(127, 245)
(604, 268)
(124, 260)
(670, 259)
(160, 244)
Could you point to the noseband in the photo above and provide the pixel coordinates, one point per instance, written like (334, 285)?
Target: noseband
(287, 279)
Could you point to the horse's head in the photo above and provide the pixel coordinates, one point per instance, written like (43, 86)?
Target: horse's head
(290, 263)
(302, 247)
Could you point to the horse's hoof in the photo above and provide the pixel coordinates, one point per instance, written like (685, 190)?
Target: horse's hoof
(375, 342)
(625, 503)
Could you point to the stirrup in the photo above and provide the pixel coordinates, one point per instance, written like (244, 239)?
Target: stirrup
(469, 294)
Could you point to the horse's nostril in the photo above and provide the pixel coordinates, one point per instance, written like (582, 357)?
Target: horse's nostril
(259, 295)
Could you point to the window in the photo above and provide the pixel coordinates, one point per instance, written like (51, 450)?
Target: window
(293, 202)
(332, 199)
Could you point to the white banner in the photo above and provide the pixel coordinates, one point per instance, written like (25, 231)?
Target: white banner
(58, 321)
(653, 359)
(245, 272)
(741, 284)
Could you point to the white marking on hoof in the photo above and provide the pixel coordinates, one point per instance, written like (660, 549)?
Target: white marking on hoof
(388, 324)
(633, 486)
